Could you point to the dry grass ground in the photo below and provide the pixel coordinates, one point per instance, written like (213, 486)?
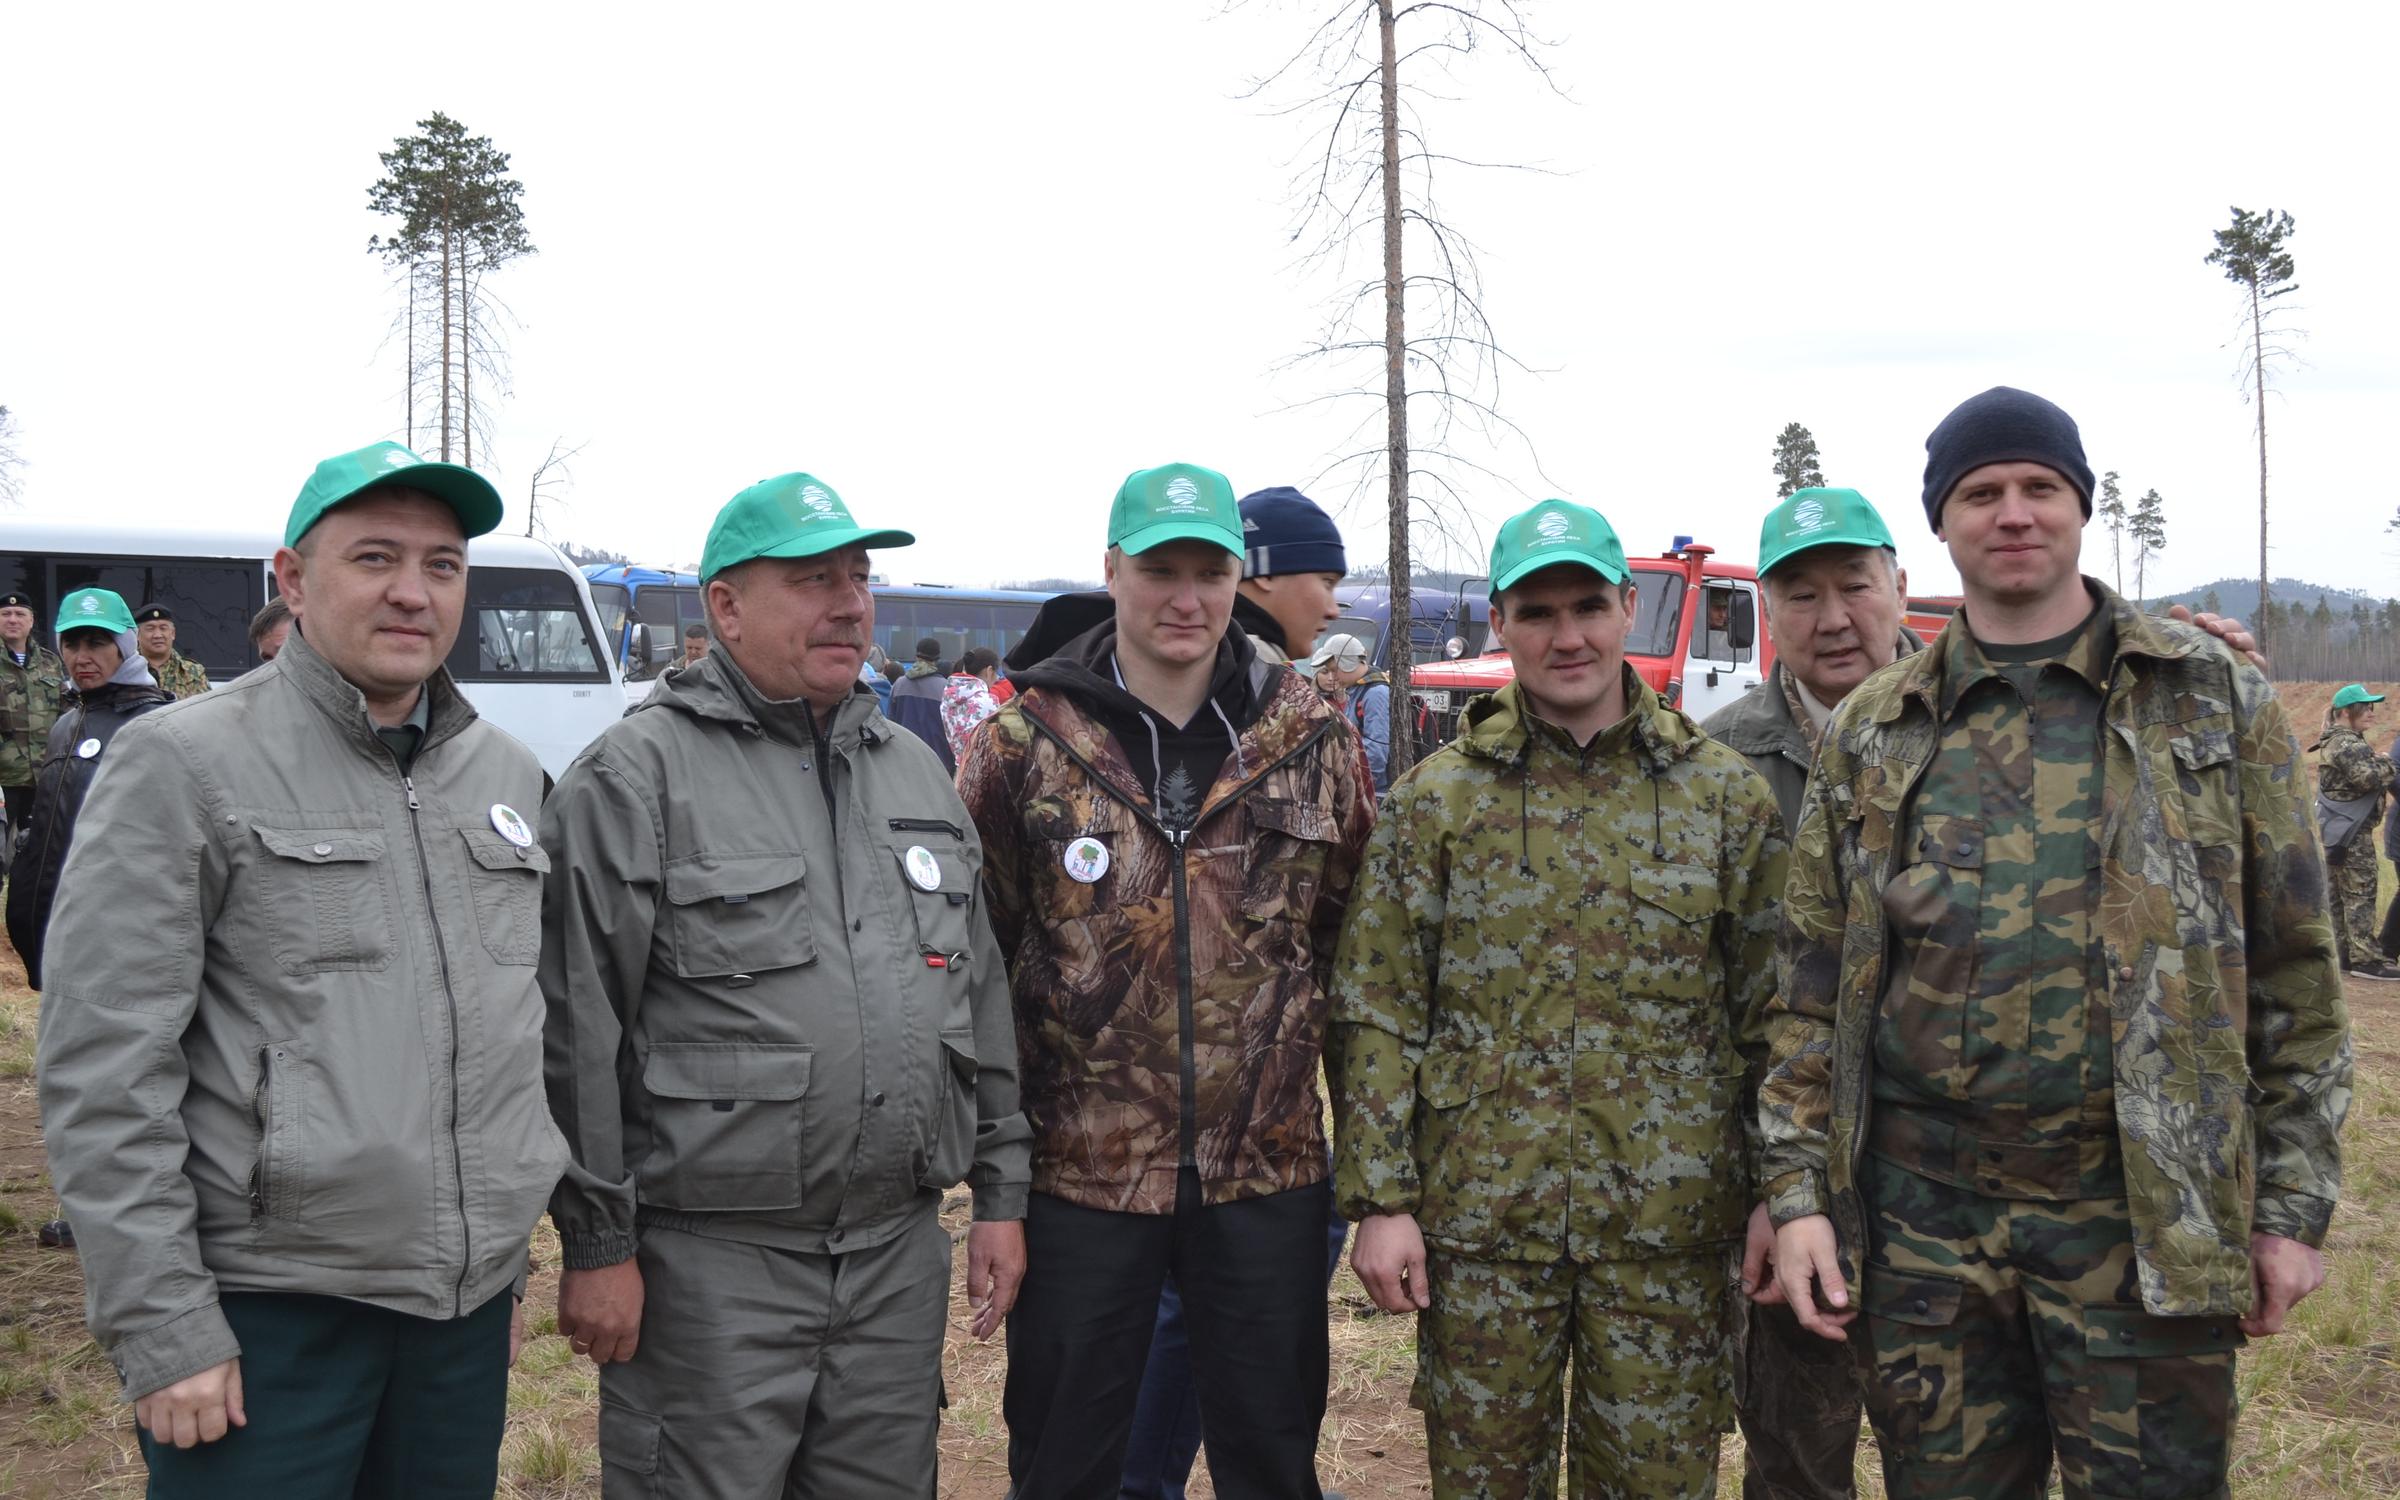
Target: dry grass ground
(2320, 1417)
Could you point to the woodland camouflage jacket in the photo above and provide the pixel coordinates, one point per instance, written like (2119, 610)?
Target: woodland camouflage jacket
(1550, 988)
(29, 704)
(2231, 1046)
(1172, 1007)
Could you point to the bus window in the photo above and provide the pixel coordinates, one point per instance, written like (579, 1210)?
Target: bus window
(212, 601)
(524, 625)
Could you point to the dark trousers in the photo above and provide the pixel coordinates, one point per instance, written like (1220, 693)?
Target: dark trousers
(351, 1402)
(1252, 1278)
(1166, 1420)
(2389, 938)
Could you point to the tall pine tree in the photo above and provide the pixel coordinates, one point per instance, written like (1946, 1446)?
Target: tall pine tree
(1798, 466)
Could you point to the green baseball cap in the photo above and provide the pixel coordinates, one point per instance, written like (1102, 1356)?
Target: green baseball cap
(93, 609)
(1175, 503)
(346, 476)
(2354, 695)
(791, 515)
(1554, 532)
(1813, 518)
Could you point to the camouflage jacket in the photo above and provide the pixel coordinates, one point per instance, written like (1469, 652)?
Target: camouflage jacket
(1763, 727)
(2350, 767)
(2230, 1045)
(1179, 983)
(28, 707)
(181, 676)
(1550, 986)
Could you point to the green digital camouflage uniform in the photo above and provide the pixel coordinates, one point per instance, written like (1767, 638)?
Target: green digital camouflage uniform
(181, 676)
(1543, 1004)
(2044, 919)
(2350, 767)
(29, 695)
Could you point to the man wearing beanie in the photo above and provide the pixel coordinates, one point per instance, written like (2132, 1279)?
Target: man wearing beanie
(291, 1047)
(1292, 561)
(2055, 895)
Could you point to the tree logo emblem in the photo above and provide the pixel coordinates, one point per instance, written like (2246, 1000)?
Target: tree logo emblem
(816, 499)
(90, 605)
(1183, 496)
(1553, 528)
(401, 458)
(1808, 515)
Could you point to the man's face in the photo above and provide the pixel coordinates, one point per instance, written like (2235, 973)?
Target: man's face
(155, 638)
(1173, 601)
(16, 626)
(694, 647)
(797, 626)
(1564, 630)
(270, 645)
(1302, 604)
(91, 657)
(2015, 531)
(379, 587)
(1834, 614)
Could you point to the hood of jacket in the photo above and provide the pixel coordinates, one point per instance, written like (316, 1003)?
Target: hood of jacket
(715, 688)
(1084, 668)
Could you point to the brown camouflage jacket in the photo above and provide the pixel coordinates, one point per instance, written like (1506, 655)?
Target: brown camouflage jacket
(1171, 1003)
(2231, 1046)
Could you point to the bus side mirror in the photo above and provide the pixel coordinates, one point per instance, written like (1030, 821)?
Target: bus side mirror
(637, 651)
(1742, 624)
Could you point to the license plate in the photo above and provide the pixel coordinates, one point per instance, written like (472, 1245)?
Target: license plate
(1437, 699)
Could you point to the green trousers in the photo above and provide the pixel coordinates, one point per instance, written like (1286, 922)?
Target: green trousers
(351, 1402)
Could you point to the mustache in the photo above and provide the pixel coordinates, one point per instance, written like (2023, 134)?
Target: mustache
(851, 638)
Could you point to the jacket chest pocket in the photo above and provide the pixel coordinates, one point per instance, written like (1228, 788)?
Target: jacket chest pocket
(1284, 873)
(939, 878)
(504, 885)
(2202, 758)
(325, 898)
(1934, 906)
(738, 914)
(1670, 972)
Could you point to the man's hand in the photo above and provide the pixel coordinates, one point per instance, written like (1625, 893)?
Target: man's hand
(1758, 1260)
(2225, 628)
(600, 1311)
(995, 1269)
(1806, 1268)
(516, 1329)
(1390, 1261)
(2281, 1273)
(196, 1409)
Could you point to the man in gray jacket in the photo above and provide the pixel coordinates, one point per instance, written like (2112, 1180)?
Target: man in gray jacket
(291, 1045)
(779, 1029)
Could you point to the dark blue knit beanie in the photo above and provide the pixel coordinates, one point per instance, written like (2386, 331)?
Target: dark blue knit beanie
(2002, 426)
(1283, 531)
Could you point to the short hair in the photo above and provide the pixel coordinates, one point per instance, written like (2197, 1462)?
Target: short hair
(929, 649)
(978, 659)
(277, 612)
(695, 632)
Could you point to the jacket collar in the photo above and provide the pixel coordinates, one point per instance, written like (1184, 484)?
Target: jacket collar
(447, 714)
(1502, 726)
(714, 688)
(2132, 633)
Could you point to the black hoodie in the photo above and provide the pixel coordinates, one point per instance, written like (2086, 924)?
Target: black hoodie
(1072, 649)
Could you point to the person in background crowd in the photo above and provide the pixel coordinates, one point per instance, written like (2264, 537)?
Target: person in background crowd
(268, 628)
(291, 1042)
(1366, 698)
(2055, 897)
(177, 673)
(967, 698)
(2352, 781)
(917, 700)
(31, 682)
(695, 643)
(875, 672)
(2390, 943)
(1292, 561)
(1171, 825)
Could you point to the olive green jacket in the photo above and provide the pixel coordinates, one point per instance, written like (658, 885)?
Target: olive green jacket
(2231, 1044)
(1546, 995)
(1760, 725)
(29, 702)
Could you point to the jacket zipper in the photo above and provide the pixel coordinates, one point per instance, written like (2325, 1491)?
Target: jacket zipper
(441, 953)
(927, 825)
(1188, 1114)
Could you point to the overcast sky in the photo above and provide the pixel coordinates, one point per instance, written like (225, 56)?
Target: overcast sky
(971, 263)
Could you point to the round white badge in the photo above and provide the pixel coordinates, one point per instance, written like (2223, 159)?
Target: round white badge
(88, 750)
(924, 871)
(511, 826)
(1086, 860)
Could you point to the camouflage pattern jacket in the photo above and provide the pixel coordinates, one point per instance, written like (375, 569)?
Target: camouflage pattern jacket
(1550, 987)
(1171, 1005)
(2230, 1044)
(182, 677)
(2349, 768)
(29, 698)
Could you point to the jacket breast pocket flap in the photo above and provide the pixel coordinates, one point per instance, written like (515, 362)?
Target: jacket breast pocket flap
(1446, 1080)
(1301, 820)
(738, 914)
(505, 888)
(716, 1071)
(1955, 842)
(725, 1125)
(324, 897)
(1688, 893)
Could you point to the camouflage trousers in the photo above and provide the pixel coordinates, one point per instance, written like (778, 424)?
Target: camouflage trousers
(1796, 1398)
(1993, 1329)
(1645, 1340)
(2350, 878)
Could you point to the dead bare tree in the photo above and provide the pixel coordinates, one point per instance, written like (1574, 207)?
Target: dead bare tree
(12, 463)
(1371, 175)
(550, 476)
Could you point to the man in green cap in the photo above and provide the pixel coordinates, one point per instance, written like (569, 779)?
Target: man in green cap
(291, 1040)
(1561, 938)
(1172, 824)
(31, 681)
(779, 1031)
(2059, 1059)
(2352, 778)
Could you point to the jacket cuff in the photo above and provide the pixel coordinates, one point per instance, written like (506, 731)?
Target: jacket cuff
(996, 1202)
(156, 1358)
(2293, 1215)
(594, 1251)
(1797, 1195)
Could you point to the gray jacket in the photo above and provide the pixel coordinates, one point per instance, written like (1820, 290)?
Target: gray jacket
(1760, 727)
(291, 1039)
(777, 1013)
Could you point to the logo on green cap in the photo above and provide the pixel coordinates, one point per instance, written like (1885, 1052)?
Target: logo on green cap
(1808, 515)
(90, 605)
(1555, 532)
